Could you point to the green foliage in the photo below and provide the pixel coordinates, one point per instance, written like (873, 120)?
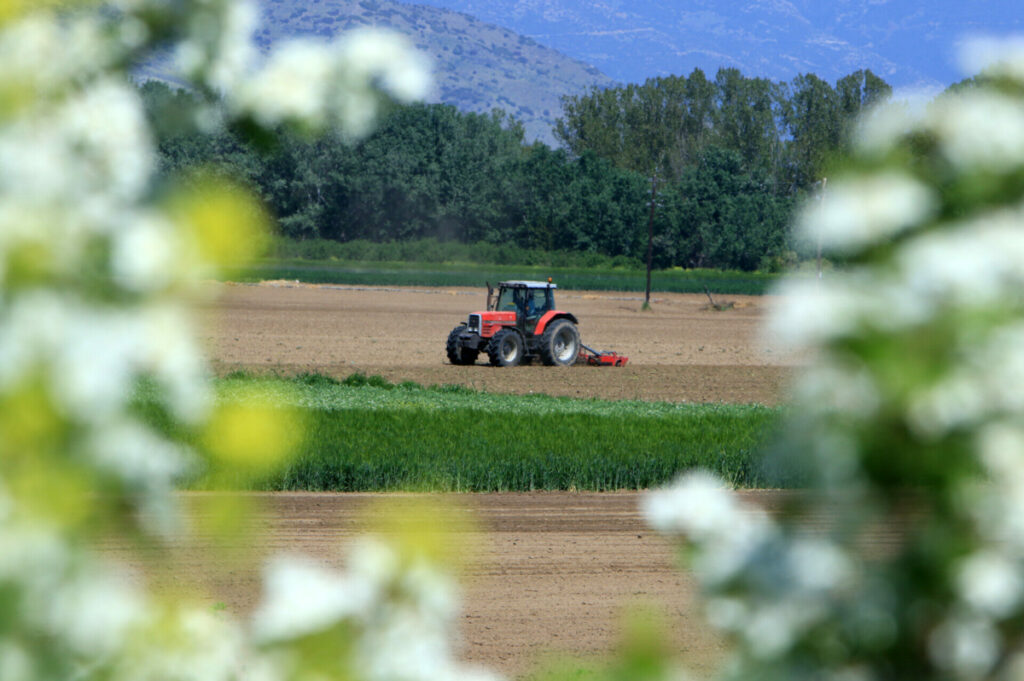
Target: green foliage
(432, 250)
(788, 131)
(727, 219)
(367, 434)
(433, 178)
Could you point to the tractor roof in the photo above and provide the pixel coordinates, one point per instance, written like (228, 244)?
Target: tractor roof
(527, 284)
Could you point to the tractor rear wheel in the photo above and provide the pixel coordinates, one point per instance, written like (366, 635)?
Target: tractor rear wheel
(457, 353)
(560, 343)
(506, 348)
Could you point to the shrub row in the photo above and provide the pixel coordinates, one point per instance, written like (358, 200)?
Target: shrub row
(374, 273)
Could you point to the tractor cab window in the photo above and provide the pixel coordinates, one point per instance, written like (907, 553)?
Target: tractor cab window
(540, 300)
(506, 301)
(531, 302)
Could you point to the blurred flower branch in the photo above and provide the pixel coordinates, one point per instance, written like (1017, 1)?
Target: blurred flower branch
(910, 413)
(95, 271)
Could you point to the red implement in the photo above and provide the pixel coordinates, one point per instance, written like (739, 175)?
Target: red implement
(603, 359)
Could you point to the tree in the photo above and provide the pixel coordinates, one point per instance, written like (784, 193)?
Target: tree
(727, 218)
(858, 93)
(814, 120)
(747, 118)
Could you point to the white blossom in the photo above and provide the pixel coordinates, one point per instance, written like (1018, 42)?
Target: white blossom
(985, 384)
(976, 262)
(373, 53)
(200, 646)
(830, 387)
(994, 56)
(403, 647)
(292, 85)
(145, 253)
(138, 456)
(808, 312)
(997, 505)
(864, 211)
(882, 127)
(968, 647)
(319, 83)
(48, 55)
(984, 131)
(236, 53)
(697, 505)
(105, 127)
(991, 583)
(374, 562)
(818, 566)
(772, 628)
(1001, 450)
(94, 611)
(302, 598)
(33, 555)
(172, 355)
(433, 593)
(94, 143)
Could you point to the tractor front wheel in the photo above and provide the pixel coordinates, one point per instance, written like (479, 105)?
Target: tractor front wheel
(560, 343)
(506, 348)
(457, 352)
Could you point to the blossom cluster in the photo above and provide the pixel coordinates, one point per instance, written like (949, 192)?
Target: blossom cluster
(400, 610)
(908, 414)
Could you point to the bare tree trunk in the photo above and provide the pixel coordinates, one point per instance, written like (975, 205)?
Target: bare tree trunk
(650, 241)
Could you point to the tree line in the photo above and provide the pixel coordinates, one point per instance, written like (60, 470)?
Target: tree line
(726, 159)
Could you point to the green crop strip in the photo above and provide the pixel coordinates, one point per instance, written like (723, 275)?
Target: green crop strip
(421, 274)
(365, 434)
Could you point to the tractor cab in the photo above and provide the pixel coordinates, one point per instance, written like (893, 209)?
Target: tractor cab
(529, 300)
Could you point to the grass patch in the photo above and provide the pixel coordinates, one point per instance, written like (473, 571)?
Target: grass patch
(366, 434)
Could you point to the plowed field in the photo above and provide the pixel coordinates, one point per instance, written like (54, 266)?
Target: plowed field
(681, 350)
(550, 573)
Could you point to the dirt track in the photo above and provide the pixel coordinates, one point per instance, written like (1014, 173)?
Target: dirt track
(679, 351)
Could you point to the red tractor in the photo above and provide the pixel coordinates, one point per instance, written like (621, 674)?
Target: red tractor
(520, 324)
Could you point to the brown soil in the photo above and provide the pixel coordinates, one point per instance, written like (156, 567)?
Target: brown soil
(551, 573)
(681, 350)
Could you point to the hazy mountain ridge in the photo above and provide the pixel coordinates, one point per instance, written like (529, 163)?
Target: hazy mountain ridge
(907, 42)
(477, 66)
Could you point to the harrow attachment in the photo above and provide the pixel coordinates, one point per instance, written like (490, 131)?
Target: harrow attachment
(599, 358)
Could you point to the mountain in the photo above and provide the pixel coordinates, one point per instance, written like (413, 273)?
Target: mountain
(909, 43)
(477, 66)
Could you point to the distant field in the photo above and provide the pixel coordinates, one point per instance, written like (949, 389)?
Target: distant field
(369, 435)
(442, 274)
